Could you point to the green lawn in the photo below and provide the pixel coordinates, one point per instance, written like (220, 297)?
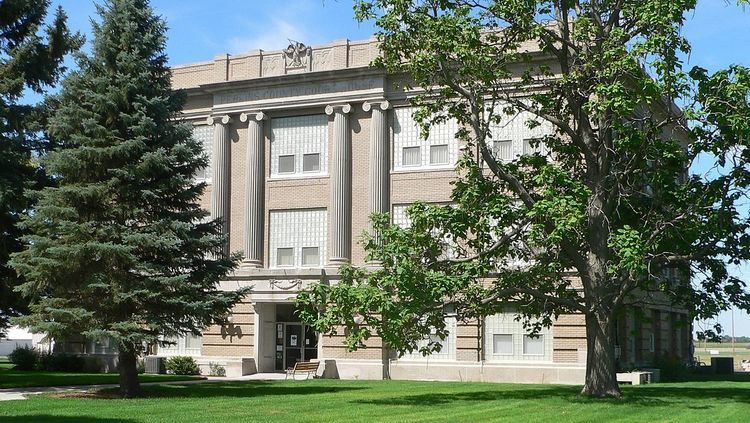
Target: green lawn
(10, 378)
(394, 401)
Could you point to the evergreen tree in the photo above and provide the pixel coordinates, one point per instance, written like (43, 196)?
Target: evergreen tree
(30, 59)
(121, 248)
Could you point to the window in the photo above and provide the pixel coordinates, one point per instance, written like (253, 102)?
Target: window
(399, 217)
(502, 344)
(311, 162)
(533, 146)
(187, 344)
(512, 137)
(651, 342)
(448, 345)
(439, 154)
(412, 156)
(533, 345)
(285, 257)
(310, 256)
(193, 341)
(441, 147)
(503, 150)
(297, 238)
(299, 144)
(507, 340)
(204, 134)
(286, 164)
(103, 345)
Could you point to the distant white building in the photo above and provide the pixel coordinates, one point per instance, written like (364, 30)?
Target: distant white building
(16, 337)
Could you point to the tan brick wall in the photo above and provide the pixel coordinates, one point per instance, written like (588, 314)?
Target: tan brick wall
(238, 159)
(333, 347)
(568, 337)
(428, 186)
(565, 356)
(468, 341)
(360, 125)
(214, 344)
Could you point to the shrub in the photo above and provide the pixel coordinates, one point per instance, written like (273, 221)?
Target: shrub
(24, 358)
(672, 369)
(182, 365)
(216, 369)
(92, 365)
(61, 363)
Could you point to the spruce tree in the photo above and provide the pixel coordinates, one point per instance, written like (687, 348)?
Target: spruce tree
(31, 60)
(121, 248)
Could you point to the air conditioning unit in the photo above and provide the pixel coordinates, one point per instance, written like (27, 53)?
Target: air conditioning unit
(155, 365)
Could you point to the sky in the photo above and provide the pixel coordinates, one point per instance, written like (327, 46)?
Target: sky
(199, 30)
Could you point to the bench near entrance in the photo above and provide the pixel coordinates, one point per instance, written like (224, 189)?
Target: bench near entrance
(303, 367)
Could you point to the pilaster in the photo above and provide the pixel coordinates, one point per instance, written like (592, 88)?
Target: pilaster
(254, 189)
(221, 175)
(341, 186)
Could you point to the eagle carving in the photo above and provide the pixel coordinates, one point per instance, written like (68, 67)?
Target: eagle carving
(297, 54)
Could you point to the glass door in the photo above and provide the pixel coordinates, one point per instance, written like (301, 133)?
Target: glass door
(311, 344)
(293, 347)
(294, 342)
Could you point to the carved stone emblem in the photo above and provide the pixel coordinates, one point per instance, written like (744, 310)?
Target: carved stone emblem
(297, 55)
(286, 285)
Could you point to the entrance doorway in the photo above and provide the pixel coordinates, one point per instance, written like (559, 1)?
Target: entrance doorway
(294, 341)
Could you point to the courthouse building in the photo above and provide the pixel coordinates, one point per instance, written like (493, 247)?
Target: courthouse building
(307, 142)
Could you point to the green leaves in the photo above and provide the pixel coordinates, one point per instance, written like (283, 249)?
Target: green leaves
(121, 246)
(610, 199)
(31, 58)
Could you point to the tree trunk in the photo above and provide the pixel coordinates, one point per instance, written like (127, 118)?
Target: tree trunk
(601, 374)
(128, 368)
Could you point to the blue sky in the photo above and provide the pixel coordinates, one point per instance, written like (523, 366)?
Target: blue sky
(199, 30)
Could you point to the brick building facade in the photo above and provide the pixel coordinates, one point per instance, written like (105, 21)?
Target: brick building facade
(305, 143)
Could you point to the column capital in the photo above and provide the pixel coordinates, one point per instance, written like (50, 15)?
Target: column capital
(218, 119)
(382, 104)
(256, 116)
(343, 108)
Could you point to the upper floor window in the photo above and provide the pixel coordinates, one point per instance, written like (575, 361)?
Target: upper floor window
(439, 150)
(297, 238)
(400, 217)
(204, 134)
(511, 137)
(299, 145)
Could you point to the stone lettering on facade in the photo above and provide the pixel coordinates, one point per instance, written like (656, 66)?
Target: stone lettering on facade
(307, 90)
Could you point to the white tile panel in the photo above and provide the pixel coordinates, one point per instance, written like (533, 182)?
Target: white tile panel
(297, 229)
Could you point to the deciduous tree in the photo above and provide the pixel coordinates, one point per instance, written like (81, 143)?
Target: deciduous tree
(601, 215)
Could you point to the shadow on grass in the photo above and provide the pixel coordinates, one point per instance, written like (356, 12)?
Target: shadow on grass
(60, 419)
(696, 377)
(242, 389)
(693, 397)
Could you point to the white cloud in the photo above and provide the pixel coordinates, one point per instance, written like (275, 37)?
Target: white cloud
(273, 36)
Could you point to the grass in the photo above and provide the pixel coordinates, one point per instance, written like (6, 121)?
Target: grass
(11, 378)
(400, 401)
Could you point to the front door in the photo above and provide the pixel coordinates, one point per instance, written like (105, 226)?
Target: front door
(295, 342)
